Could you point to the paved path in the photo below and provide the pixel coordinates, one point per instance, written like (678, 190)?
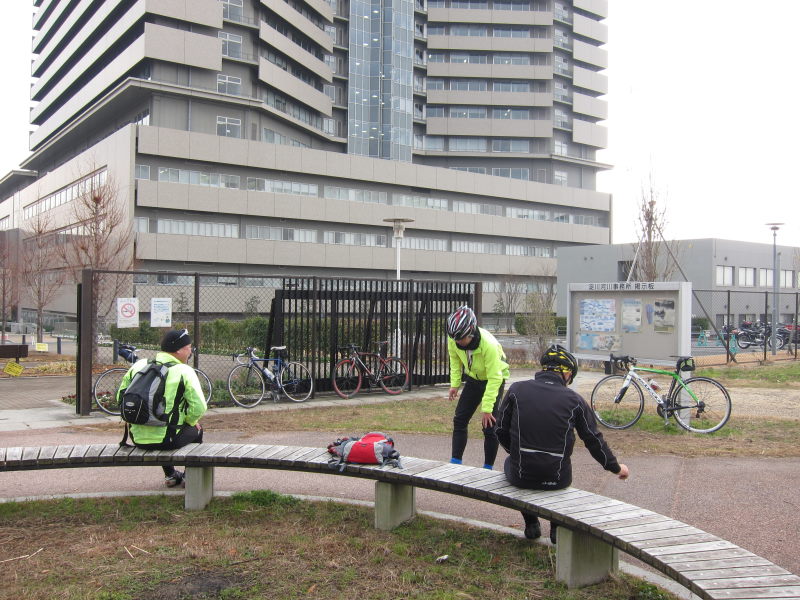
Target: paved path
(753, 502)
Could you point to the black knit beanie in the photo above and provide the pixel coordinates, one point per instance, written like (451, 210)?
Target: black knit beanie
(175, 339)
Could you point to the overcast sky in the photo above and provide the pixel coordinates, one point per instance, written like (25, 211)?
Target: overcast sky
(703, 96)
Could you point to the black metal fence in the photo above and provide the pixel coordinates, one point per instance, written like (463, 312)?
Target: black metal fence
(312, 316)
(716, 311)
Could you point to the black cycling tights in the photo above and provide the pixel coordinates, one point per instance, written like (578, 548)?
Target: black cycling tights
(468, 403)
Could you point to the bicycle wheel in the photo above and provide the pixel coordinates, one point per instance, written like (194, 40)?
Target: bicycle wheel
(246, 385)
(346, 378)
(709, 412)
(104, 391)
(205, 385)
(614, 410)
(393, 375)
(743, 340)
(296, 381)
(779, 342)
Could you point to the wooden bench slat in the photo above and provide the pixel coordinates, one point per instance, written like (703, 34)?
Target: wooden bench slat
(672, 559)
(766, 569)
(236, 455)
(760, 581)
(46, 455)
(649, 526)
(689, 538)
(62, 454)
(717, 544)
(30, 456)
(645, 536)
(613, 518)
(266, 453)
(788, 593)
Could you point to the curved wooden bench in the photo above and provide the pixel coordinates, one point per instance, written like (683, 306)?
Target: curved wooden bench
(592, 528)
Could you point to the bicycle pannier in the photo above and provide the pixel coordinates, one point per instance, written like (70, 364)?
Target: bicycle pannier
(686, 364)
(143, 400)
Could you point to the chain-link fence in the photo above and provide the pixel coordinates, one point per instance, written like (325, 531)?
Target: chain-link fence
(313, 317)
(733, 326)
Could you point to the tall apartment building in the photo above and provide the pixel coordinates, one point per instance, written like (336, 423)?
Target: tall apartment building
(275, 137)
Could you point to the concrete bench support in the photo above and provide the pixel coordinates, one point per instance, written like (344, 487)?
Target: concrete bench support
(199, 487)
(395, 503)
(582, 559)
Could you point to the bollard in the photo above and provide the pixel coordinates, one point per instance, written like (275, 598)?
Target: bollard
(115, 352)
(58, 345)
(23, 339)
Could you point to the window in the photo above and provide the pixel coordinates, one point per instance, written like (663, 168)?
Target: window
(724, 275)
(226, 84)
(559, 177)
(354, 239)
(511, 59)
(765, 277)
(231, 44)
(142, 172)
(511, 86)
(511, 31)
(141, 225)
(434, 142)
(467, 112)
(510, 145)
(436, 29)
(197, 228)
(786, 278)
(468, 29)
(229, 127)
(511, 113)
(467, 57)
(468, 85)
(478, 170)
(467, 144)
(435, 84)
(477, 208)
(232, 9)
(747, 277)
(435, 57)
(435, 112)
(513, 173)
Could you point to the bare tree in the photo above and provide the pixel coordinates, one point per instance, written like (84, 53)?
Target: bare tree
(512, 290)
(9, 278)
(540, 316)
(42, 282)
(100, 237)
(651, 257)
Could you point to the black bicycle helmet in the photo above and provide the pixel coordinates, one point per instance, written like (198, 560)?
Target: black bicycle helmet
(557, 358)
(461, 323)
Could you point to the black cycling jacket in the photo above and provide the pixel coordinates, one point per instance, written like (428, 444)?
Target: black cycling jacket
(537, 424)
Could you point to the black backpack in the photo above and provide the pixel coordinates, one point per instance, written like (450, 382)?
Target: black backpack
(143, 401)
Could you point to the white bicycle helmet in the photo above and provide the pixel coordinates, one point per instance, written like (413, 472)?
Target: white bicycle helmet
(461, 323)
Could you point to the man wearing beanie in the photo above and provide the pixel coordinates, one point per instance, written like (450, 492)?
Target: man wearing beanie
(181, 387)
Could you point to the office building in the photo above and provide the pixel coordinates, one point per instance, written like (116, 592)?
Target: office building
(274, 137)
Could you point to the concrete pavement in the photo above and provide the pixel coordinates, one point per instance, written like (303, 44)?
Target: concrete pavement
(752, 502)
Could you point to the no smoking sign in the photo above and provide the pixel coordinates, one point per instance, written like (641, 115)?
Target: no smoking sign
(127, 312)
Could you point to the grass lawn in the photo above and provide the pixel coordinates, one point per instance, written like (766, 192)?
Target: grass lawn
(265, 545)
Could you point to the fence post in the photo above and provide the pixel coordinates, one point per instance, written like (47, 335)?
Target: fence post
(197, 319)
(766, 314)
(58, 344)
(85, 344)
(729, 336)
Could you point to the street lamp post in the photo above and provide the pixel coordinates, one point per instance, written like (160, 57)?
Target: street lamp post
(775, 266)
(398, 228)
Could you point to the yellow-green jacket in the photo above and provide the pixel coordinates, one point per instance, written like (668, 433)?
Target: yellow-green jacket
(486, 363)
(189, 412)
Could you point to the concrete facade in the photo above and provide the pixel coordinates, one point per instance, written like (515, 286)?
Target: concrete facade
(228, 127)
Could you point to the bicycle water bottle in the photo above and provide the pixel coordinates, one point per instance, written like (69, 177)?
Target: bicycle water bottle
(269, 374)
(653, 385)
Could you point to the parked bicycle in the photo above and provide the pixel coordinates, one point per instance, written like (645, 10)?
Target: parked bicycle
(698, 404)
(104, 390)
(249, 381)
(758, 334)
(378, 369)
